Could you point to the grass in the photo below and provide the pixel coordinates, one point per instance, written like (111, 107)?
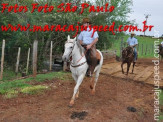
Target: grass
(145, 41)
(34, 89)
(9, 75)
(11, 94)
(49, 76)
(10, 89)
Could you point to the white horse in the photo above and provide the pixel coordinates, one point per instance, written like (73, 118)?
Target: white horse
(75, 52)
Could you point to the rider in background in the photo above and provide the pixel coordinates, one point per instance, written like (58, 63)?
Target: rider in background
(89, 43)
(161, 47)
(162, 43)
(133, 42)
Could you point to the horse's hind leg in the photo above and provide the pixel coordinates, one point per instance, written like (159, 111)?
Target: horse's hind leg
(95, 81)
(128, 67)
(79, 81)
(133, 67)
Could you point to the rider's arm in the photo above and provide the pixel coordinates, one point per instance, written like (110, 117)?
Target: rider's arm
(94, 42)
(95, 37)
(136, 43)
(81, 42)
(80, 38)
(128, 42)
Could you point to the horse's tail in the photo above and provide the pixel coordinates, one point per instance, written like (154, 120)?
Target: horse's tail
(98, 67)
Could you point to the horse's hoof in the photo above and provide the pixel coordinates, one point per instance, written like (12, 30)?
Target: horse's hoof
(77, 96)
(71, 103)
(70, 106)
(93, 92)
(91, 87)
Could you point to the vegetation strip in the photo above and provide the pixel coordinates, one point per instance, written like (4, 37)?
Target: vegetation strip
(11, 89)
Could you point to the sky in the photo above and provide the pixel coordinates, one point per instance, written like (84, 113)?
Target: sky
(152, 7)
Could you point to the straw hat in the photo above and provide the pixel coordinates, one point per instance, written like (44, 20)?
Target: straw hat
(132, 33)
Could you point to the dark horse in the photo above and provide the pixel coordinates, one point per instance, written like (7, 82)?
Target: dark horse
(160, 51)
(128, 57)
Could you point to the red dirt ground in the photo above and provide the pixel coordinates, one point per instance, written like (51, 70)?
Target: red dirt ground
(143, 71)
(109, 104)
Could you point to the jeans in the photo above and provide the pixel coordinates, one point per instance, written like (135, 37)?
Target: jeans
(135, 54)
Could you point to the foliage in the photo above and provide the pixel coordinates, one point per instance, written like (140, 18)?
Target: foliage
(25, 39)
(119, 16)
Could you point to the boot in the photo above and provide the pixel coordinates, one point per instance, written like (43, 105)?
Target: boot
(88, 73)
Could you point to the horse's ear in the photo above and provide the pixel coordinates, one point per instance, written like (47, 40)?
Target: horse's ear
(68, 38)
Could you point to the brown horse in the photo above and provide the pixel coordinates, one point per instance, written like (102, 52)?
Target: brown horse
(128, 57)
(161, 51)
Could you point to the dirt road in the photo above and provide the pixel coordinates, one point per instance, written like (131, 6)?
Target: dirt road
(109, 104)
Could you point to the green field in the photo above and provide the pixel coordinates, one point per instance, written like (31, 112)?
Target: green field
(10, 89)
(146, 42)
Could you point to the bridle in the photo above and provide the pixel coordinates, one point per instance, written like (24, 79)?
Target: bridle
(70, 55)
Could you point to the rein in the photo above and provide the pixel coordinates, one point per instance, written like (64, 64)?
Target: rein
(82, 56)
(79, 59)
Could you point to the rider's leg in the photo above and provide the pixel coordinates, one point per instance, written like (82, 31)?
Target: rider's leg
(135, 55)
(93, 59)
(88, 62)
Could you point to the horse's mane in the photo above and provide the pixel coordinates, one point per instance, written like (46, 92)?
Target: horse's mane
(80, 47)
(127, 52)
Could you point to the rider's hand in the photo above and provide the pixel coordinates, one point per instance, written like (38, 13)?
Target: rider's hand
(89, 46)
(132, 46)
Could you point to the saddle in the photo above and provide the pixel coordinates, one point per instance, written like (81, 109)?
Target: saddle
(92, 53)
(93, 59)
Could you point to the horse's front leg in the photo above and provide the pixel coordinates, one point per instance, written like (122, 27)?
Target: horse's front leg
(77, 94)
(122, 67)
(75, 78)
(79, 81)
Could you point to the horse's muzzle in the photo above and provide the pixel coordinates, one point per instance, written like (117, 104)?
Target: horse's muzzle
(63, 58)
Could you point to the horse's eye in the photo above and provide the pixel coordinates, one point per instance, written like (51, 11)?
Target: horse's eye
(71, 47)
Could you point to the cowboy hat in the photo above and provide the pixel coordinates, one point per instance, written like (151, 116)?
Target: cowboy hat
(86, 20)
(132, 33)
